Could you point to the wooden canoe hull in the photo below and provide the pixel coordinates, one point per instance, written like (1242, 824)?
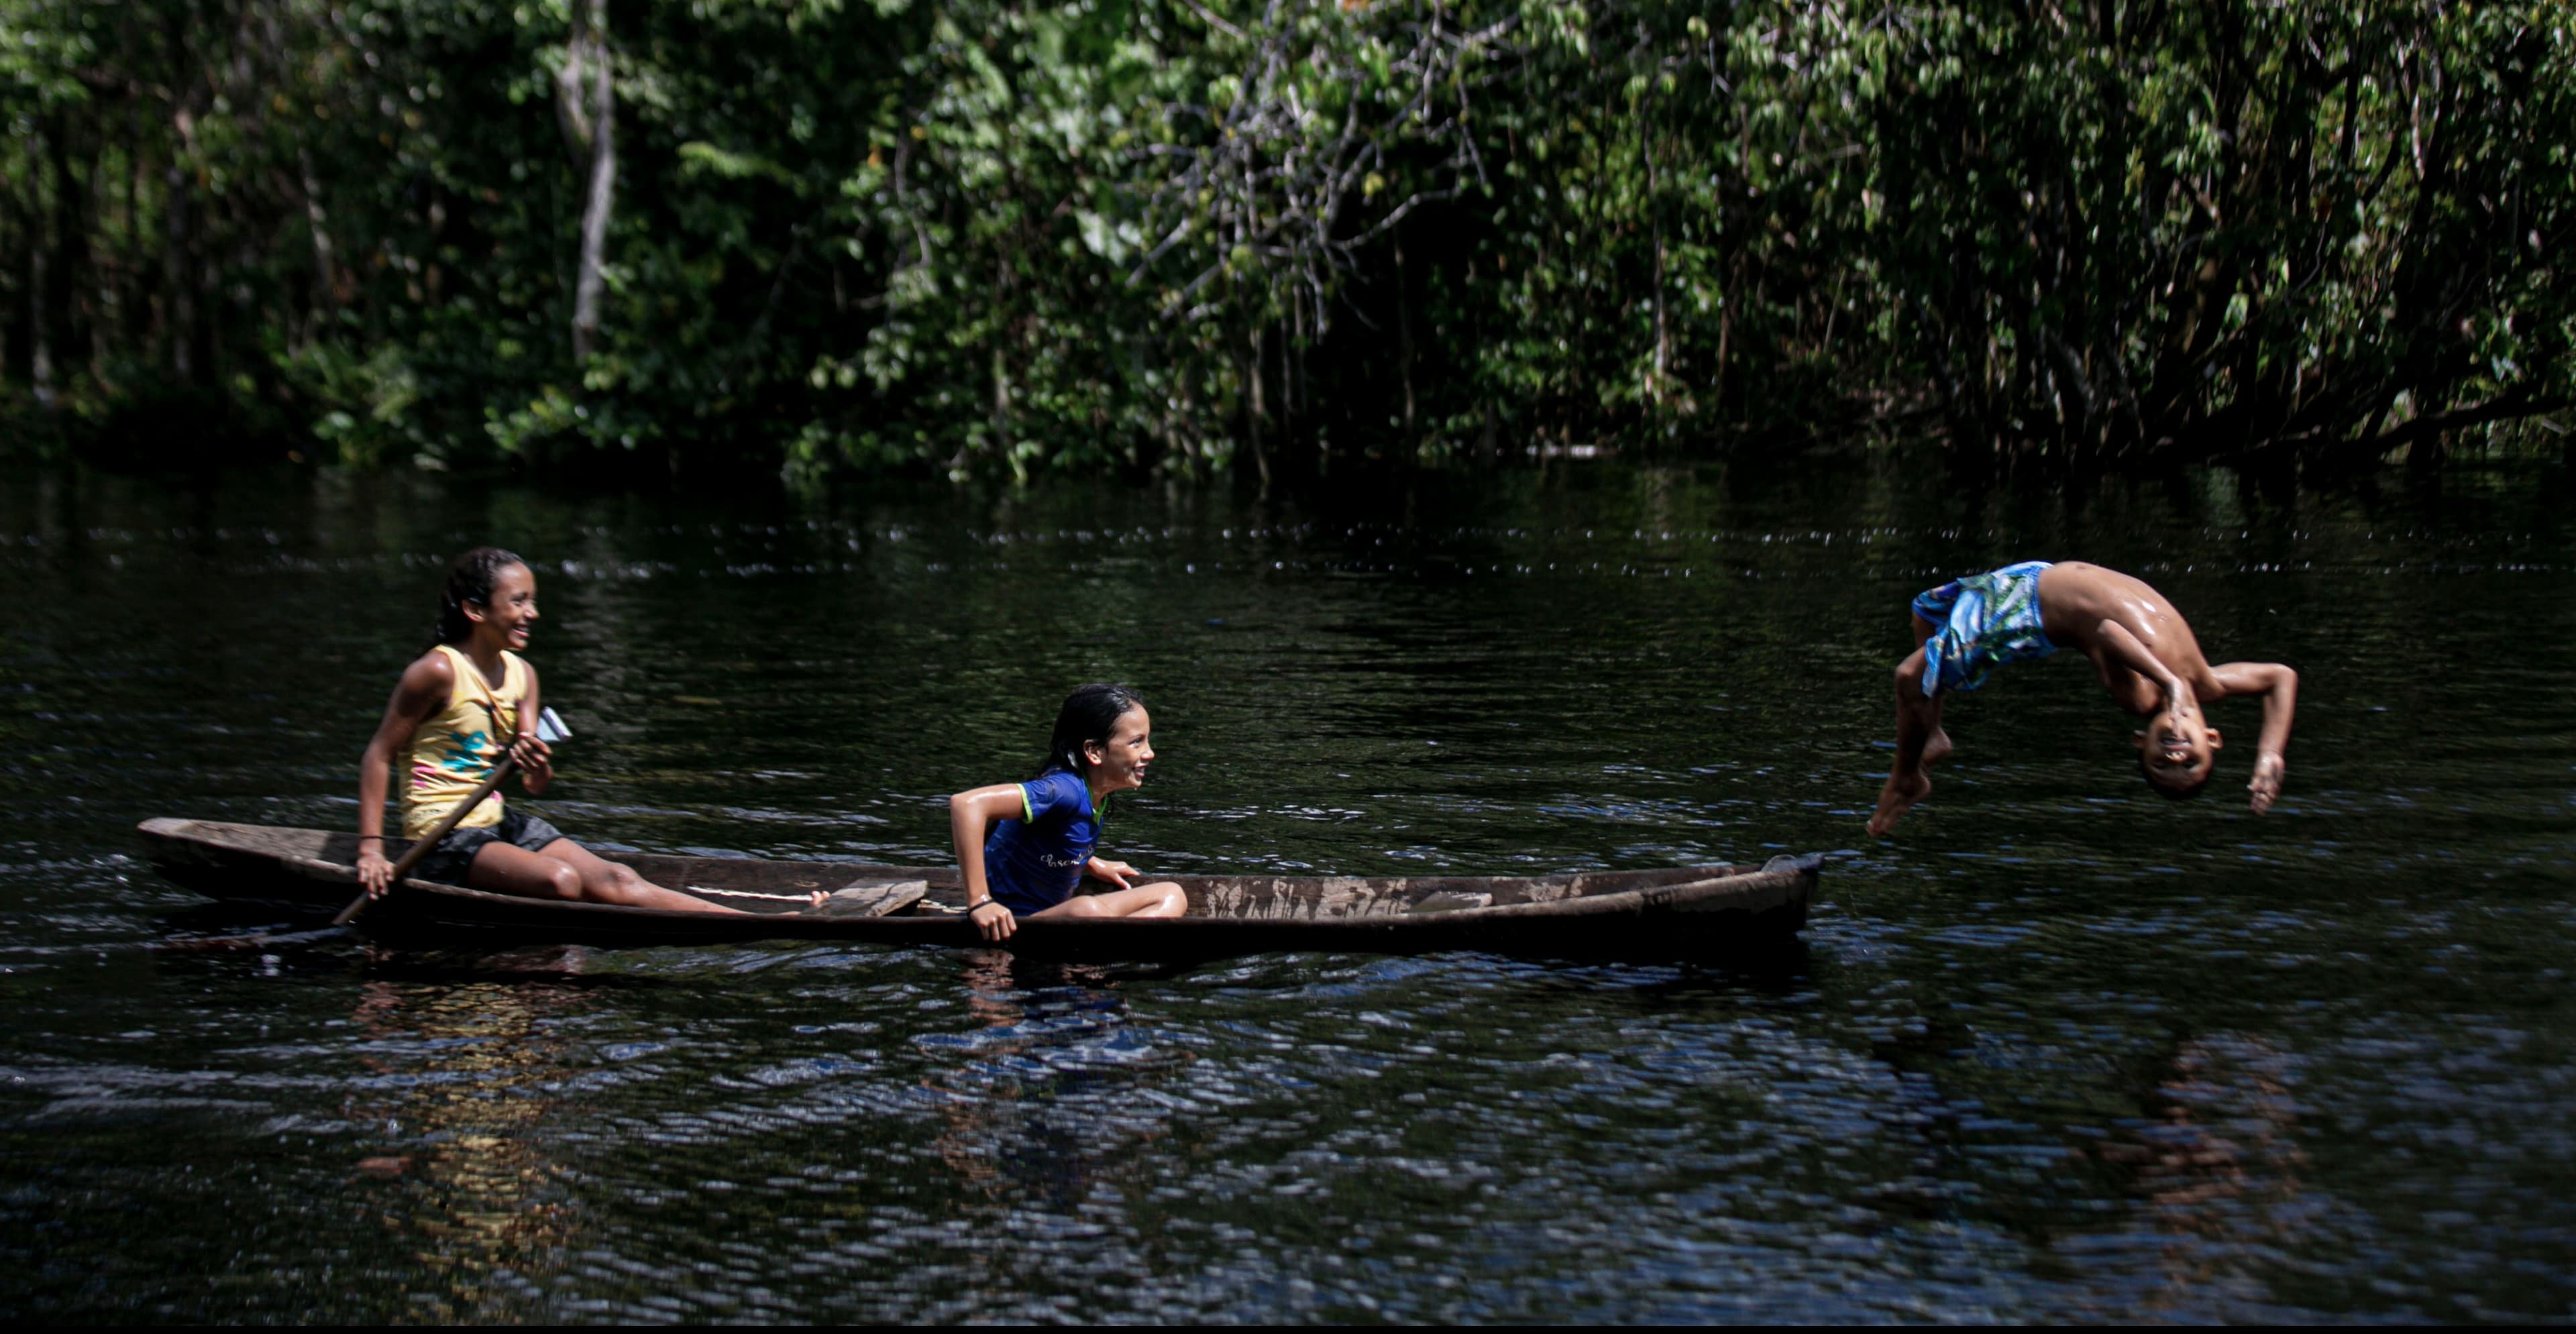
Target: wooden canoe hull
(1677, 912)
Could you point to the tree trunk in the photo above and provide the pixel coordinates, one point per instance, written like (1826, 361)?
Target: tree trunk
(1253, 374)
(131, 315)
(179, 278)
(180, 322)
(71, 266)
(97, 293)
(1655, 224)
(40, 356)
(1002, 416)
(325, 298)
(1404, 337)
(1725, 337)
(591, 133)
(40, 277)
(8, 317)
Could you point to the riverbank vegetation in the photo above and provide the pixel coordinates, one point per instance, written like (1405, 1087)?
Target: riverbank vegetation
(1002, 237)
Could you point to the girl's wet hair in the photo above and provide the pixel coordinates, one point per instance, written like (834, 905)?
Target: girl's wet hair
(1089, 714)
(469, 579)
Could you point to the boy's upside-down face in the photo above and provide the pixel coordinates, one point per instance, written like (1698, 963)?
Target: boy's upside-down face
(2176, 751)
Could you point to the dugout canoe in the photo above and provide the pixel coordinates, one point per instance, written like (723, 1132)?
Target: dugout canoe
(1676, 912)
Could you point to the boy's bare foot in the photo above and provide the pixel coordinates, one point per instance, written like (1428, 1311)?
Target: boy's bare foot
(1898, 797)
(1934, 751)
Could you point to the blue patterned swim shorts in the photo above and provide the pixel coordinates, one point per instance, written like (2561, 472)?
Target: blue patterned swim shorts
(1986, 620)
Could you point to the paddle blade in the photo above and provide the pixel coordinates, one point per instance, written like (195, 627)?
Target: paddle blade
(550, 727)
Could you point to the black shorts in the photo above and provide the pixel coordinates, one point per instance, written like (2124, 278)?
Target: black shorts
(447, 863)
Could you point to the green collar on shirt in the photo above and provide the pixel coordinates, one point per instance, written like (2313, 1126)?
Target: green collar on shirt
(1096, 808)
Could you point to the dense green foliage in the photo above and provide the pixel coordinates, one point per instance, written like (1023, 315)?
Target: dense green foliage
(1003, 236)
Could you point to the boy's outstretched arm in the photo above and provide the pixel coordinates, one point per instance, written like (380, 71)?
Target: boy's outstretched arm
(2279, 687)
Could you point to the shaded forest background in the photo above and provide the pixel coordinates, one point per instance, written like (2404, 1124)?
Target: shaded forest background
(997, 238)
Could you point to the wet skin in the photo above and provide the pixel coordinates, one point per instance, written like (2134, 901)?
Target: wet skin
(2150, 663)
(1116, 763)
(562, 869)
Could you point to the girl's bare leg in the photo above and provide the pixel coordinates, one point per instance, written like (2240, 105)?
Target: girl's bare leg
(608, 882)
(1162, 899)
(504, 869)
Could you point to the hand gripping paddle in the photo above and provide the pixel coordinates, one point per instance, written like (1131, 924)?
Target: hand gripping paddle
(550, 729)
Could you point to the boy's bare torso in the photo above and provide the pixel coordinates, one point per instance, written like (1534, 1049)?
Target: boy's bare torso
(2076, 597)
(2149, 661)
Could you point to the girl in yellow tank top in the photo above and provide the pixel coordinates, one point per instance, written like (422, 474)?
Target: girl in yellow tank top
(465, 702)
(453, 752)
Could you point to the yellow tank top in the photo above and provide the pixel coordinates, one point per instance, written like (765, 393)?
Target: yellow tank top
(455, 750)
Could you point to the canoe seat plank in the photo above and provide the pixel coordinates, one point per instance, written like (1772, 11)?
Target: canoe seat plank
(878, 899)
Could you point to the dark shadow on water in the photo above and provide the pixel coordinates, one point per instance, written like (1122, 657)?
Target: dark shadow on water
(1771, 966)
(229, 938)
(238, 918)
(557, 965)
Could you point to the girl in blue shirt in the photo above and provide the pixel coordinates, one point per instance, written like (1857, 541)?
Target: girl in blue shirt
(1042, 831)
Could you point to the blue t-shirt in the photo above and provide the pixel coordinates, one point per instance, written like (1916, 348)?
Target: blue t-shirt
(1033, 864)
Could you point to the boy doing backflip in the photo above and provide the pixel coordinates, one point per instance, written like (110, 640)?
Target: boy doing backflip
(2140, 645)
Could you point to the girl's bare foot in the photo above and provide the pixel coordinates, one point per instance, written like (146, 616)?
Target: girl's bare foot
(1935, 750)
(1899, 796)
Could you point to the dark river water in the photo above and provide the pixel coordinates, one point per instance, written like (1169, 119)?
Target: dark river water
(2059, 1050)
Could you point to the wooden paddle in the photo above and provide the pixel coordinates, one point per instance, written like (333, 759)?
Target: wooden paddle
(550, 729)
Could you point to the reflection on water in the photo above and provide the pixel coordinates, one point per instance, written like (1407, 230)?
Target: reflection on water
(1025, 1112)
(2061, 1051)
(468, 1077)
(2217, 1167)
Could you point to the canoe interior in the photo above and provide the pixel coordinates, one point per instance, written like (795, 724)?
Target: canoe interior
(782, 886)
(1676, 912)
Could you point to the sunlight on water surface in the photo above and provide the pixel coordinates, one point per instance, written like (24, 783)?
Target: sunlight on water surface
(2059, 1050)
